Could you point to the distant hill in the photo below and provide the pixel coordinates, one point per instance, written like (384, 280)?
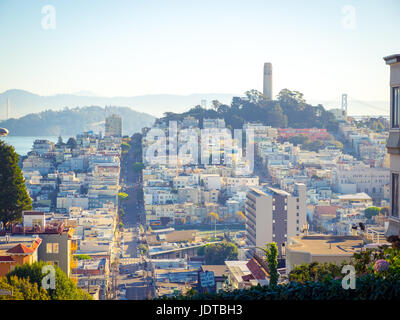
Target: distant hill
(73, 121)
(24, 102)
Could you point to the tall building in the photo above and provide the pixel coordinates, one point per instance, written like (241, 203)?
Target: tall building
(274, 215)
(393, 143)
(113, 126)
(267, 87)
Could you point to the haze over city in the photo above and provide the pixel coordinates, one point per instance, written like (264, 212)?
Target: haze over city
(130, 48)
(184, 152)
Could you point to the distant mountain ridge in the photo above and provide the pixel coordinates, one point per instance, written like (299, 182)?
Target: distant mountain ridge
(24, 102)
(69, 122)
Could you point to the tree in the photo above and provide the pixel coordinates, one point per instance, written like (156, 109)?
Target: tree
(14, 197)
(123, 196)
(71, 143)
(22, 289)
(371, 211)
(299, 139)
(271, 253)
(121, 212)
(125, 146)
(143, 248)
(82, 257)
(218, 253)
(65, 288)
(137, 167)
(241, 215)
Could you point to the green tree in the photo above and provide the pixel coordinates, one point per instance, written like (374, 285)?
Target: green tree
(82, 257)
(371, 211)
(218, 253)
(22, 289)
(299, 139)
(13, 195)
(71, 143)
(143, 248)
(123, 196)
(65, 289)
(137, 167)
(271, 253)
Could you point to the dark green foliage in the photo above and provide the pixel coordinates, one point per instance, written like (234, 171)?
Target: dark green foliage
(65, 288)
(22, 289)
(125, 146)
(368, 287)
(13, 195)
(315, 272)
(82, 257)
(137, 167)
(289, 110)
(317, 281)
(371, 211)
(271, 253)
(71, 143)
(218, 253)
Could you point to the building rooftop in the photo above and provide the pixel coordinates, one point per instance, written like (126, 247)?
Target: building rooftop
(394, 58)
(219, 270)
(355, 197)
(326, 244)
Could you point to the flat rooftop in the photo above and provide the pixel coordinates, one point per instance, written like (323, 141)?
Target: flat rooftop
(355, 197)
(326, 244)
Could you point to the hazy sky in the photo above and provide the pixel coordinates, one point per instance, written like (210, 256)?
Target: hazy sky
(210, 46)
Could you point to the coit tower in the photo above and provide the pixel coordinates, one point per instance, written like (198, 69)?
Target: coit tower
(267, 88)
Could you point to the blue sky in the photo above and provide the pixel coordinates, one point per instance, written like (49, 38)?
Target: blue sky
(126, 48)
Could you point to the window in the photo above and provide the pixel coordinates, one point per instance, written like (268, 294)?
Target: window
(395, 195)
(395, 107)
(52, 248)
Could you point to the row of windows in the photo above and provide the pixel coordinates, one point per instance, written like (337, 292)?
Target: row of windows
(395, 107)
(395, 195)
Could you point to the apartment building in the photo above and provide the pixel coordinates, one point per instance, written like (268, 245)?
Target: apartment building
(113, 126)
(393, 143)
(274, 215)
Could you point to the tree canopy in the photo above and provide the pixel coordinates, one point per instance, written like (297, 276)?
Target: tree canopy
(371, 211)
(289, 110)
(218, 253)
(65, 288)
(14, 197)
(21, 289)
